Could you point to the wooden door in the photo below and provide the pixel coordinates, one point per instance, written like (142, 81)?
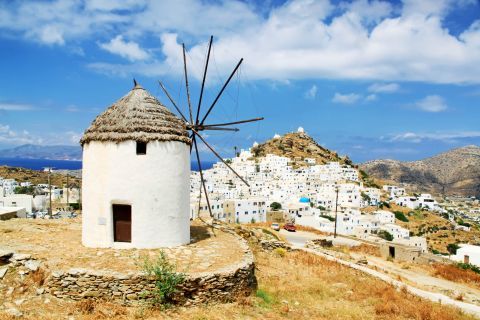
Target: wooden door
(466, 259)
(122, 223)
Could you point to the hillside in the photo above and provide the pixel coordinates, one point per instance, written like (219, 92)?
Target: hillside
(30, 151)
(36, 177)
(298, 146)
(455, 172)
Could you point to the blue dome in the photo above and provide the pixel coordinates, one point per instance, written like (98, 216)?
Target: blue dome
(304, 200)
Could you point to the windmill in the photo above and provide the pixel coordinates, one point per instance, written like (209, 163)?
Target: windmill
(196, 123)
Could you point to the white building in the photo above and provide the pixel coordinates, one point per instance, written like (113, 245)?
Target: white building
(384, 217)
(419, 242)
(468, 253)
(18, 200)
(246, 210)
(396, 231)
(407, 201)
(136, 168)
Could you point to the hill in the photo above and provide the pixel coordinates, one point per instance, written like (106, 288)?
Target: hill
(36, 177)
(298, 146)
(455, 172)
(30, 151)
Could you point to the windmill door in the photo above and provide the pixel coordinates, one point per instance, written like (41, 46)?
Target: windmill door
(122, 223)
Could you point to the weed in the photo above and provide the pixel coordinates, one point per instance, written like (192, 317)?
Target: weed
(166, 278)
(262, 294)
(280, 252)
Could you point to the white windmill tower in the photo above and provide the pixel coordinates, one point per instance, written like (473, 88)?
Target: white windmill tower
(136, 171)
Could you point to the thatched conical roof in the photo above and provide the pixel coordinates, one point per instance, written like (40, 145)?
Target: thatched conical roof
(137, 116)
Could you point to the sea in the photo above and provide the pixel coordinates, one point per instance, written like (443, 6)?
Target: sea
(39, 164)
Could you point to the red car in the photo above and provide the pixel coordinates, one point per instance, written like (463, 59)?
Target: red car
(290, 227)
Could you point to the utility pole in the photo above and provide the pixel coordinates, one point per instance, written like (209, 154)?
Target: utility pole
(68, 202)
(336, 206)
(49, 169)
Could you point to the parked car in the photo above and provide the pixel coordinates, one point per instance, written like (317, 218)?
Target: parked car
(290, 227)
(275, 226)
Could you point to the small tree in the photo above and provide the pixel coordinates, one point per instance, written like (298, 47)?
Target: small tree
(275, 206)
(322, 208)
(385, 235)
(452, 248)
(400, 216)
(366, 197)
(166, 278)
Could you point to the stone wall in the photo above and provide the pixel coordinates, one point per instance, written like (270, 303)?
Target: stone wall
(222, 285)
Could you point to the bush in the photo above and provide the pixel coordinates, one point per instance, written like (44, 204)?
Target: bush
(275, 206)
(327, 217)
(321, 208)
(400, 216)
(281, 252)
(166, 278)
(264, 296)
(385, 235)
(452, 248)
(469, 266)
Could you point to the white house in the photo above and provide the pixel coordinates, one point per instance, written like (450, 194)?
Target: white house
(408, 201)
(426, 200)
(384, 217)
(468, 253)
(246, 210)
(18, 200)
(419, 242)
(396, 231)
(135, 178)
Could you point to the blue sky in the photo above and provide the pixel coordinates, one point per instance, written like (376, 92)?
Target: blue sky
(370, 79)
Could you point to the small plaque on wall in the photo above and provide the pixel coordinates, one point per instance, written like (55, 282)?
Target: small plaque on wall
(102, 221)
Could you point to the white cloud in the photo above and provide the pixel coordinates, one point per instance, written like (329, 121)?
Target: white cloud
(349, 98)
(384, 87)
(448, 137)
(4, 106)
(126, 49)
(311, 93)
(431, 103)
(72, 108)
(11, 137)
(371, 97)
(296, 40)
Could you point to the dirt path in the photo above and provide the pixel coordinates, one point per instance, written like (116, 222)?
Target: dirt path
(417, 277)
(432, 296)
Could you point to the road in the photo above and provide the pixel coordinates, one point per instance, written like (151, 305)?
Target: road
(298, 238)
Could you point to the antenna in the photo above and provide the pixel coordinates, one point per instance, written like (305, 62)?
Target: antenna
(196, 124)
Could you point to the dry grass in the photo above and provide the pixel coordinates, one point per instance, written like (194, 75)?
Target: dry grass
(34, 236)
(453, 273)
(367, 249)
(298, 285)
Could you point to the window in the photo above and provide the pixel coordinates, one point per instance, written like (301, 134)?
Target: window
(141, 148)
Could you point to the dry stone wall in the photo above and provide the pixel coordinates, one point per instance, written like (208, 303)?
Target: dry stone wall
(223, 285)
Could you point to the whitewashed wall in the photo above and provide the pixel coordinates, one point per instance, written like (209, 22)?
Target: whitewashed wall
(156, 185)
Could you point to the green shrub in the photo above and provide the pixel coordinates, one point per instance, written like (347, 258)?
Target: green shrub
(281, 252)
(385, 235)
(400, 216)
(452, 248)
(167, 279)
(469, 266)
(327, 217)
(264, 296)
(275, 206)
(384, 204)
